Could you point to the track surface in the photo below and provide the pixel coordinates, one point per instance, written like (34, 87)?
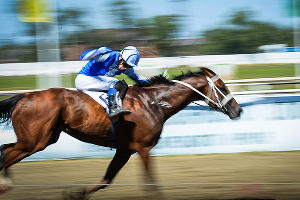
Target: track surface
(268, 175)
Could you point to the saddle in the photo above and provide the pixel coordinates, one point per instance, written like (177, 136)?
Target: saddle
(102, 98)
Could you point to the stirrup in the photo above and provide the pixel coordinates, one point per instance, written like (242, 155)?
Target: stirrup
(116, 112)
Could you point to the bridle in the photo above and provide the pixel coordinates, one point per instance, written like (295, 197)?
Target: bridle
(212, 89)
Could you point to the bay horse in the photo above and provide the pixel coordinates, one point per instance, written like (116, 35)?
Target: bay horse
(39, 117)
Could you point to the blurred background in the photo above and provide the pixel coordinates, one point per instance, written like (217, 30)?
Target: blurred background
(52, 30)
(59, 31)
(254, 45)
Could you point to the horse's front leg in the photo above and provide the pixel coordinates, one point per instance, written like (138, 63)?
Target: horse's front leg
(151, 187)
(119, 160)
(145, 157)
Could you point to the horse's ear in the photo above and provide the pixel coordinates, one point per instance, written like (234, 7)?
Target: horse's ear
(207, 71)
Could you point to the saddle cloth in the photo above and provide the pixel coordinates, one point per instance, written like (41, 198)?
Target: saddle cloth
(102, 99)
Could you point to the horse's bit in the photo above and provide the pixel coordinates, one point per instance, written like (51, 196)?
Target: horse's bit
(213, 88)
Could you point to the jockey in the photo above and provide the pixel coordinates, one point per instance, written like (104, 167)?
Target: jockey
(97, 74)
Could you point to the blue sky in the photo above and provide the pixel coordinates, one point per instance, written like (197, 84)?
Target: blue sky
(200, 15)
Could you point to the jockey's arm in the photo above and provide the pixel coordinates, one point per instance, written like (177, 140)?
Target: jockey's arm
(136, 77)
(99, 55)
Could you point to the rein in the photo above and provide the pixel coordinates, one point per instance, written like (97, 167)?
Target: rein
(214, 89)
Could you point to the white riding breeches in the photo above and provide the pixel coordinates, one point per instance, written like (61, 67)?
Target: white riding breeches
(94, 83)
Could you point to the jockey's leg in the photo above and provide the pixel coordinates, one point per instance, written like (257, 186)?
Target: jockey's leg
(122, 87)
(115, 108)
(100, 83)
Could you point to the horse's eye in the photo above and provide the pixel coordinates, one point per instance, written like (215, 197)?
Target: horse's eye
(223, 89)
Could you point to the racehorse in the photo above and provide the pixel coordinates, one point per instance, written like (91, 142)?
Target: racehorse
(39, 117)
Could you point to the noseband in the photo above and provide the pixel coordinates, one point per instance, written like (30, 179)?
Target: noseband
(212, 89)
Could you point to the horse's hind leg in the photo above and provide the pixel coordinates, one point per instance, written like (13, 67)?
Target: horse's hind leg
(5, 146)
(26, 147)
(22, 149)
(28, 143)
(5, 182)
(2, 155)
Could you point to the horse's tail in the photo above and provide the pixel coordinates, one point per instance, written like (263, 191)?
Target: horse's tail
(7, 107)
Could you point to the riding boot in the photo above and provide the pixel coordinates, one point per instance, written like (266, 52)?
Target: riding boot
(114, 108)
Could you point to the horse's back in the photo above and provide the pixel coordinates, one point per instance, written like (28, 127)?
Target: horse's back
(35, 103)
(79, 105)
(74, 108)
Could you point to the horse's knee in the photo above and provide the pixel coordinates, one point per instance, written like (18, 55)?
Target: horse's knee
(2, 159)
(2, 154)
(105, 183)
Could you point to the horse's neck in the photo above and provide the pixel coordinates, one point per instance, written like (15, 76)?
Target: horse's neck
(171, 99)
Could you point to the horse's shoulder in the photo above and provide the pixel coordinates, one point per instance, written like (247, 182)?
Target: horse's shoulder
(133, 90)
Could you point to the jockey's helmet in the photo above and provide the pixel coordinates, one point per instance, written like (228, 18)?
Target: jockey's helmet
(131, 56)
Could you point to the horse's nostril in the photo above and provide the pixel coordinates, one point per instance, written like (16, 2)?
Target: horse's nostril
(241, 110)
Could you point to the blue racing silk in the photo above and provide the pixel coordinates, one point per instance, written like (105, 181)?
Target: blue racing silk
(104, 62)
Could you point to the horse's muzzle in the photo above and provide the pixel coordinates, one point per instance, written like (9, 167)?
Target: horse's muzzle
(233, 110)
(235, 113)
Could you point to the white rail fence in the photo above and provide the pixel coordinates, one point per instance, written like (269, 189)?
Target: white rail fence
(221, 64)
(48, 68)
(230, 83)
(265, 82)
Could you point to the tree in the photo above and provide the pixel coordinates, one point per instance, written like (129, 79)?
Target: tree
(161, 30)
(121, 12)
(244, 35)
(71, 20)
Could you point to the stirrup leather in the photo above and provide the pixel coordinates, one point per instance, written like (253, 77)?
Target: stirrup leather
(114, 108)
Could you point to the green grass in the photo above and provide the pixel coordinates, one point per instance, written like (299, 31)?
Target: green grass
(2, 97)
(31, 82)
(68, 80)
(264, 71)
(17, 83)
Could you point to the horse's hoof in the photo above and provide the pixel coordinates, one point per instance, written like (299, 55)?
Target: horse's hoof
(4, 189)
(75, 194)
(5, 186)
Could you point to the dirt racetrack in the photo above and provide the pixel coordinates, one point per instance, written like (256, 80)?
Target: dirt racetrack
(260, 175)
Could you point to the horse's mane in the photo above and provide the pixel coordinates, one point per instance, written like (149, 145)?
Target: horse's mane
(161, 80)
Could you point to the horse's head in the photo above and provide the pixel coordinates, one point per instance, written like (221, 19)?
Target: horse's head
(218, 95)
